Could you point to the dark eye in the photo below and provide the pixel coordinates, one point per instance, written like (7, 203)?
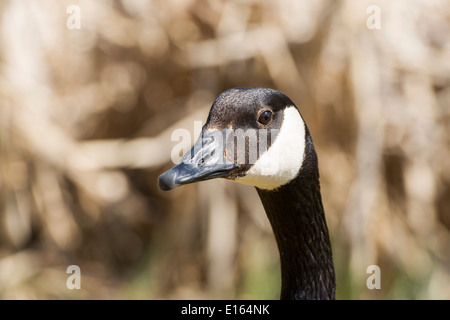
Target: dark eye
(265, 118)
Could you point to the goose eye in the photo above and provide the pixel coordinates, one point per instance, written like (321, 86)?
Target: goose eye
(265, 118)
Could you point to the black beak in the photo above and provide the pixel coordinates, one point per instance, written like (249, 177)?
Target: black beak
(204, 161)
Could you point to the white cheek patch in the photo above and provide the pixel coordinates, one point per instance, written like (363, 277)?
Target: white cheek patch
(283, 160)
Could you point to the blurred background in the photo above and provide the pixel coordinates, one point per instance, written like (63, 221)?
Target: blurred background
(91, 92)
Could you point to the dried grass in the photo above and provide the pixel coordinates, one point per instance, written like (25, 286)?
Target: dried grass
(86, 118)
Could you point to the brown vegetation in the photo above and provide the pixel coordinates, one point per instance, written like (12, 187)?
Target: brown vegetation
(86, 117)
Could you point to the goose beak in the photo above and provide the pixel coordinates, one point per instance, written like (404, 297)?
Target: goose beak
(203, 162)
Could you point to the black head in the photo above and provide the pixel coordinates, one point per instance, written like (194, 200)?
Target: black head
(254, 136)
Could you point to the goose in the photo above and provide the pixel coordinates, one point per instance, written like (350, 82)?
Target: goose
(257, 137)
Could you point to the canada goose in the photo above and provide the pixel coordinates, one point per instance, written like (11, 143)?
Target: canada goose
(283, 168)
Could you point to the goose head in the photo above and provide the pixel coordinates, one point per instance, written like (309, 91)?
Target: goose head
(253, 136)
